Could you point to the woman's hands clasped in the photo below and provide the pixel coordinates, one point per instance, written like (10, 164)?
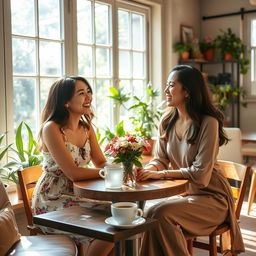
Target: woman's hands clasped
(143, 174)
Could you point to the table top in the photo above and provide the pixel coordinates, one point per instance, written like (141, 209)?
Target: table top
(249, 137)
(146, 190)
(90, 223)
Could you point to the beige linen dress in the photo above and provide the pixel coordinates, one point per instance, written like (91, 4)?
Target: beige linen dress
(209, 201)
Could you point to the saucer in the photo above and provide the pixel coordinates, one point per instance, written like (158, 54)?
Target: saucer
(111, 221)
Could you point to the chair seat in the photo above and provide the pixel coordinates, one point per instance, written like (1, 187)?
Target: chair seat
(249, 149)
(50, 245)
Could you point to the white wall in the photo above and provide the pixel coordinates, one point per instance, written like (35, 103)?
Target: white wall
(176, 13)
(211, 28)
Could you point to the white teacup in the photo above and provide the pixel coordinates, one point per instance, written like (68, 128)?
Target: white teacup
(113, 175)
(124, 213)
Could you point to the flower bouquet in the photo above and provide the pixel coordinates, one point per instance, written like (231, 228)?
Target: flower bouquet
(127, 150)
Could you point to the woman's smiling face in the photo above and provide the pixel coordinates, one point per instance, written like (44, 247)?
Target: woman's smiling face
(80, 103)
(175, 94)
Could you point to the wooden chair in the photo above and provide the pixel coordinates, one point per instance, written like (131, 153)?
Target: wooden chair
(27, 179)
(12, 243)
(252, 191)
(237, 175)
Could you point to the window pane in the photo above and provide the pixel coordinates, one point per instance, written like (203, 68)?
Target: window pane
(138, 88)
(123, 29)
(84, 21)
(253, 33)
(24, 56)
(24, 107)
(45, 84)
(23, 17)
(137, 31)
(124, 64)
(85, 60)
(103, 66)
(102, 25)
(50, 58)
(49, 19)
(103, 104)
(138, 65)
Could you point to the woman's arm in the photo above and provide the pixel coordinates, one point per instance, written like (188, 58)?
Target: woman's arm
(53, 140)
(97, 156)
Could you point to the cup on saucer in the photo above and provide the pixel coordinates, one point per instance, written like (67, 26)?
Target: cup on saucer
(113, 175)
(124, 213)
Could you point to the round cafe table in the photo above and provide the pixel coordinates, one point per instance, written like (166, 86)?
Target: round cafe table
(145, 190)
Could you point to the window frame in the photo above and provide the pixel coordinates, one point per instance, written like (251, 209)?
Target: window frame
(70, 64)
(246, 79)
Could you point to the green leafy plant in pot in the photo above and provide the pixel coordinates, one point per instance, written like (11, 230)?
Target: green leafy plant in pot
(145, 114)
(232, 47)
(24, 156)
(184, 49)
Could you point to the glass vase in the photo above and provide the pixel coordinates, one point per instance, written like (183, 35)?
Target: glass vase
(129, 174)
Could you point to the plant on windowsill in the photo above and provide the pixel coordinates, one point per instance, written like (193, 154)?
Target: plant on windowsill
(232, 47)
(144, 114)
(24, 157)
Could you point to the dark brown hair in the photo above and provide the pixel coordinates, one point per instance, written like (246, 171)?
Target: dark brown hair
(60, 93)
(198, 104)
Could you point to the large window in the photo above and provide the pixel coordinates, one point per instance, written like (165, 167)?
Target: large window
(104, 41)
(37, 55)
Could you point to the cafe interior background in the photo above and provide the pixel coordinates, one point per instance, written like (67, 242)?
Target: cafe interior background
(122, 44)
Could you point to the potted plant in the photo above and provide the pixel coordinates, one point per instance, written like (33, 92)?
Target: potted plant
(183, 49)
(224, 94)
(207, 47)
(145, 114)
(3, 153)
(24, 157)
(232, 47)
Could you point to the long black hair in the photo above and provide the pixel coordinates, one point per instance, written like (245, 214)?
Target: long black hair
(198, 104)
(60, 93)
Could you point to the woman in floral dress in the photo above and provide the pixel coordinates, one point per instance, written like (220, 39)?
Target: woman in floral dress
(69, 143)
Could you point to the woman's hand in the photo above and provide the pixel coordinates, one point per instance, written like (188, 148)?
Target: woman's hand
(143, 174)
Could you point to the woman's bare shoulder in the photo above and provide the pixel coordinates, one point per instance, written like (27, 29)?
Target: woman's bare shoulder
(51, 126)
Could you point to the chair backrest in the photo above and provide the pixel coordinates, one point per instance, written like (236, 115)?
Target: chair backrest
(27, 179)
(232, 151)
(237, 175)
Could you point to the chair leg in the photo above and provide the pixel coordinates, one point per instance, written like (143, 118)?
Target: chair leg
(213, 246)
(190, 247)
(252, 192)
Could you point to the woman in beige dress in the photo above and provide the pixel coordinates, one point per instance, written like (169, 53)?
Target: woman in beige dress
(68, 144)
(190, 135)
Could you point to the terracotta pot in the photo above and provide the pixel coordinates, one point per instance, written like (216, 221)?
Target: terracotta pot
(209, 55)
(149, 152)
(185, 55)
(228, 56)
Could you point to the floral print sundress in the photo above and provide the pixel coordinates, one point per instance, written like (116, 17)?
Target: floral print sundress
(54, 191)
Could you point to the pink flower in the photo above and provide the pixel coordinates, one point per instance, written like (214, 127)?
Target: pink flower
(115, 138)
(69, 204)
(40, 210)
(208, 39)
(58, 172)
